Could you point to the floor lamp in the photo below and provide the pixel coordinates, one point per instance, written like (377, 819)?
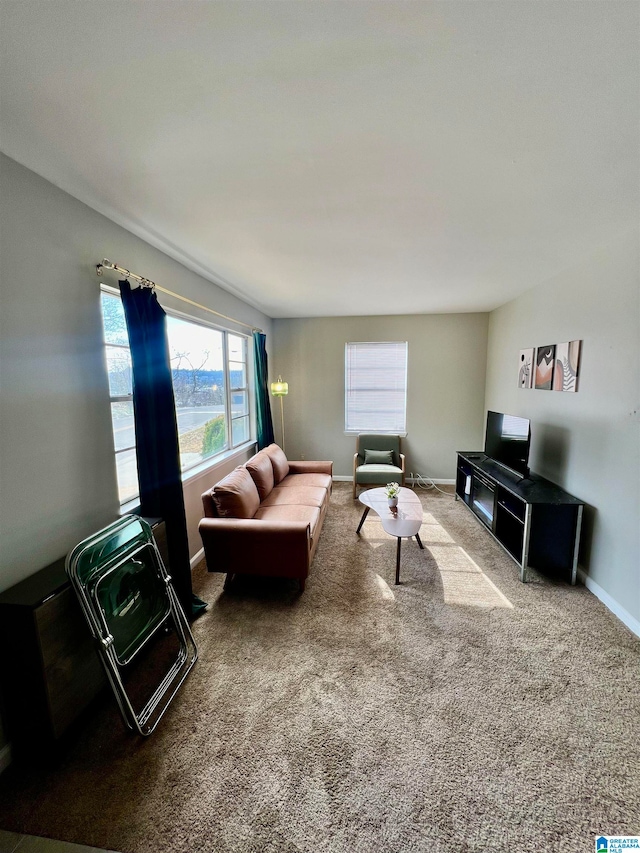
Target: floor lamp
(280, 389)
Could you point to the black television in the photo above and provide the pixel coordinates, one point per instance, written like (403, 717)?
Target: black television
(507, 442)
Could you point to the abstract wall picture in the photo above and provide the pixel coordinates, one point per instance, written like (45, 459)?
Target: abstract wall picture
(565, 370)
(545, 357)
(525, 368)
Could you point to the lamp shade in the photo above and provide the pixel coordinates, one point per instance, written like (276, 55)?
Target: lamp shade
(279, 388)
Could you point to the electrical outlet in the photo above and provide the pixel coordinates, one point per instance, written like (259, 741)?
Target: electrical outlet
(302, 456)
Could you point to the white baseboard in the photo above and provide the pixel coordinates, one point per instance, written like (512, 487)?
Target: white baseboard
(196, 558)
(623, 615)
(5, 757)
(340, 478)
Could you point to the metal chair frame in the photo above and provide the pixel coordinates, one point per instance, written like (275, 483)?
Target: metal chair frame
(113, 660)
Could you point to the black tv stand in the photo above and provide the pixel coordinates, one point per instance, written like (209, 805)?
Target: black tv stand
(536, 522)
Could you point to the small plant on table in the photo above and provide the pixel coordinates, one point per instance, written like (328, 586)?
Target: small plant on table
(392, 490)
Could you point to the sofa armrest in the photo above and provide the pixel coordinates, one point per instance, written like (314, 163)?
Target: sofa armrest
(208, 504)
(307, 466)
(254, 546)
(402, 466)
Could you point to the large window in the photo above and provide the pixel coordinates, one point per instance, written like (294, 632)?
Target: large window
(121, 394)
(210, 385)
(209, 369)
(376, 387)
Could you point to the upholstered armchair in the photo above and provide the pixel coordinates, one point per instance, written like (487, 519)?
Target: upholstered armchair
(377, 461)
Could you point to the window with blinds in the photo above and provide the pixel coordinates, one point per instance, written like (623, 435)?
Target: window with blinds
(376, 387)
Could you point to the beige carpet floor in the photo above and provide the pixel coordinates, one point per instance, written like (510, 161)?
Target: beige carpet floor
(459, 711)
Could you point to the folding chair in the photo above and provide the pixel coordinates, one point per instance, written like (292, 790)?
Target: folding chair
(127, 598)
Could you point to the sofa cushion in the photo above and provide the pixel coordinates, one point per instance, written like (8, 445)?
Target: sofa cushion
(279, 462)
(310, 514)
(378, 474)
(322, 480)
(236, 495)
(378, 457)
(302, 496)
(261, 470)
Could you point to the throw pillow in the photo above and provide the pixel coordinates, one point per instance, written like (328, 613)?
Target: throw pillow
(236, 495)
(378, 457)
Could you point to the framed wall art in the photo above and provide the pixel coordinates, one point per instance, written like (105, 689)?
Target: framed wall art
(565, 369)
(553, 367)
(545, 357)
(525, 368)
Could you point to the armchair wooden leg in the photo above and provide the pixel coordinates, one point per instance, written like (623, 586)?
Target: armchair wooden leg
(355, 486)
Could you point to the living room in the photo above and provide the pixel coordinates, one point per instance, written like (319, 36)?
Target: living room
(536, 243)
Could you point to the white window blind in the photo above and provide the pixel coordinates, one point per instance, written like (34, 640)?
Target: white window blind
(376, 387)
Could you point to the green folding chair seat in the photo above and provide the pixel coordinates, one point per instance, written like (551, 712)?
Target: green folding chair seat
(127, 598)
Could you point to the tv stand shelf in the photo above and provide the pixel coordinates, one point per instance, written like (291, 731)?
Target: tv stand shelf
(536, 522)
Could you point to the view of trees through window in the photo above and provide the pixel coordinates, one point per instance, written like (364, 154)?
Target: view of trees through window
(204, 362)
(210, 384)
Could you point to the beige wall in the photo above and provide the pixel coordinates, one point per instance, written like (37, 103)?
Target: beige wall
(56, 454)
(588, 442)
(446, 375)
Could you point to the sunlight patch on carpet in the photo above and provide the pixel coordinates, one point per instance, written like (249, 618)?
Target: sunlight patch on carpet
(433, 531)
(373, 533)
(463, 581)
(385, 590)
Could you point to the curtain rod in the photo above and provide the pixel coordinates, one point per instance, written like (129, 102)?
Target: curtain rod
(146, 282)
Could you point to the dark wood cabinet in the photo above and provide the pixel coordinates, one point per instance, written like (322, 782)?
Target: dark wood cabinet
(50, 670)
(536, 522)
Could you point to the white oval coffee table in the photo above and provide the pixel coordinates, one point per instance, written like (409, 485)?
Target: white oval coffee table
(403, 522)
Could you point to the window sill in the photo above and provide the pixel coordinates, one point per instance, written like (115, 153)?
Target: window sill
(203, 467)
(130, 507)
(133, 507)
(374, 432)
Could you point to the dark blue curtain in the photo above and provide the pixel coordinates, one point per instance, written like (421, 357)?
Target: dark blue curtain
(157, 432)
(264, 421)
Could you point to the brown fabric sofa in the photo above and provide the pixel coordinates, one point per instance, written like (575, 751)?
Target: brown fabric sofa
(265, 517)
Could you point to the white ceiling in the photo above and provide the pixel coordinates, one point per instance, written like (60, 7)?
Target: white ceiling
(334, 158)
